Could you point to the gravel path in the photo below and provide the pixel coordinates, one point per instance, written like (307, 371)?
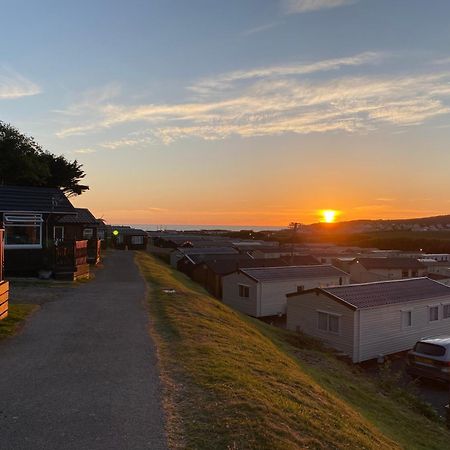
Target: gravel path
(83, 373)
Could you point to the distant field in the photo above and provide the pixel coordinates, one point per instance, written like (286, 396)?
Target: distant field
(232, 382)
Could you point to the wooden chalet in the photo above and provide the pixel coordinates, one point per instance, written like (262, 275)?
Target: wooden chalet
(80, 227)
(4, 285)
(124, 238)
(29, 216)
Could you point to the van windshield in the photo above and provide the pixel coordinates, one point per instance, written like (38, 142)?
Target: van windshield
(429, 349)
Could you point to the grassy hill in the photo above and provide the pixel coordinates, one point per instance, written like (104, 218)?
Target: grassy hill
(232, 382)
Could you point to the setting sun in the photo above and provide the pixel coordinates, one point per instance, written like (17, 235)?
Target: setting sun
(329, 215)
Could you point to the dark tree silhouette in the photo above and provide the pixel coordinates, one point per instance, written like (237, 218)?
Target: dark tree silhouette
(23, 162)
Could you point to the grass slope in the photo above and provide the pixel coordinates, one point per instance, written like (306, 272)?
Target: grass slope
(233, 382)
(16, 315)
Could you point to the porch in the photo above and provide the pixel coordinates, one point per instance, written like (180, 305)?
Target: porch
(71, 260)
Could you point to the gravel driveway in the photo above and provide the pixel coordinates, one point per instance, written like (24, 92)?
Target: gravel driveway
(83, 373)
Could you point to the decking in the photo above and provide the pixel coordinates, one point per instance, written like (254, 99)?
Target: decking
(4, 285)
(71, 260)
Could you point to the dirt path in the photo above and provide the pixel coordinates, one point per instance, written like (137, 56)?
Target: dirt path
(82, 374)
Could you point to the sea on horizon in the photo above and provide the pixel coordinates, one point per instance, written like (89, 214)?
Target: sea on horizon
(182, 227)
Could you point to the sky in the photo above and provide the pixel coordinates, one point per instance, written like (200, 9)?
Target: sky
(237, 112)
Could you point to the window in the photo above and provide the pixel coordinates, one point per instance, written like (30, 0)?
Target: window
(23, 231)
(406, 319)
(88, 233)
(328, 322)
(58, 233)
(404, 274)
(446, 311)
(244, 291)
(429, 349)
(137, 240)
(433, 313)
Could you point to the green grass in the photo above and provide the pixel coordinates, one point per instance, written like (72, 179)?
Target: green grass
(16, 315)
(232, 382)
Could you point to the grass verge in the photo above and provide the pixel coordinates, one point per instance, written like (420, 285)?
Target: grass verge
(232, 382)
(16, 316)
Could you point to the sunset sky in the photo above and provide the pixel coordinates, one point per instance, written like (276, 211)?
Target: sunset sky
(249, 112)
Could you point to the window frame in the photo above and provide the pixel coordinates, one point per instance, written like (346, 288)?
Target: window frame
(445, 305)
(329, 314)
(243, 288)
(430, 307)
(402, 312)
(54, 231)
(140, 238)
(23, 220)
(91, 232)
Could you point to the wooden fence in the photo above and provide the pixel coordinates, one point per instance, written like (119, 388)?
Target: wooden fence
(4, 285)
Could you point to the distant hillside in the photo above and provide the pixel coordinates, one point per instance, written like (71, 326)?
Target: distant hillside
(434, 223)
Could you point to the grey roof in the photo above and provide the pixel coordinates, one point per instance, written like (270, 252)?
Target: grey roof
(292, 272)
(390, 263)
(129, 231)
(226, 266)
(300, 260)
(83, 216)
(208, 250)
(34, 199)
(381, 293)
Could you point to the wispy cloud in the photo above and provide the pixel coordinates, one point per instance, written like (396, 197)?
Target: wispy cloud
(304, 6)
(276, 100)
(226, 80)
(84, 151)
(260, 29)
(14, 85)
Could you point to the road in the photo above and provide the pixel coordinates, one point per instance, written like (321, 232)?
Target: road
(83, 373)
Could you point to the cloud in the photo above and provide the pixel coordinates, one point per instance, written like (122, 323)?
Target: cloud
(304, 6)
(225, 81)
(13, 85)
(273, 101)
(260, 28)
(84, 151)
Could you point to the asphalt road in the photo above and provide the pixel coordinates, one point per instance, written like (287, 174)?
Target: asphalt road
(82, 374)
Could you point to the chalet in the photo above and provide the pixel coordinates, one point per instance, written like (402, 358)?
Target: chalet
(128, 238)
(368, 320)
(29, 216)
(78, 227)
(366, 270)
(261, 292)
(4, 286)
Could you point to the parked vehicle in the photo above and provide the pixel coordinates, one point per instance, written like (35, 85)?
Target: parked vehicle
(430, 358)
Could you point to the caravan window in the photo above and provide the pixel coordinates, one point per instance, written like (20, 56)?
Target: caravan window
(23, 231)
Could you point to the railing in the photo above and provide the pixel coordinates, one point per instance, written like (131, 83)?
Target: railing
(71, 253)
(2, 256)
(93, 251)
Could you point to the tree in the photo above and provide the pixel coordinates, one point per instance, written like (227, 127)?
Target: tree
(23, 162)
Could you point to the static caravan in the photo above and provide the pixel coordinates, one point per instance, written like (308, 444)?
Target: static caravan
(367, 270)
(368, 320)
(261, 292)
